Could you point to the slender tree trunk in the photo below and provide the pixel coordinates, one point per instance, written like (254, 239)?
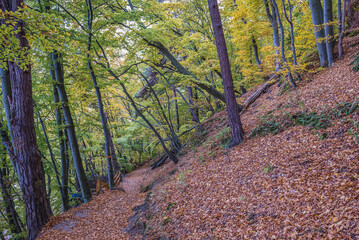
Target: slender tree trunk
(318, 18)
(273, 20)
(190, 100)
(22, 123)
(99, 99)
(12, 216)
(341, 36)
(329, 34)
(176, 108)
(256, 54)
(291, 80)
(6, 94)
(340, 17)
(232, 109)
(290, 21)
(76, 156)
(61, 137)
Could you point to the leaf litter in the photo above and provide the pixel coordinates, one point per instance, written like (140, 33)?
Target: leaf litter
(292, 185)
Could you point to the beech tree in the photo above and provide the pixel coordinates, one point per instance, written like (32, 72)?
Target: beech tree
(232, 109)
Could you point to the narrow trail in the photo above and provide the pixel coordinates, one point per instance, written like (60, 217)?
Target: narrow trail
(106, 216)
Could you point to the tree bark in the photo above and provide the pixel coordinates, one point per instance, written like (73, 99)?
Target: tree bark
(290, 21)
(318, 18)
(106, 132)
(273, 20)
(22, 122)
(71, 134)
(329, 35)
(291, 80)
(341, 36)
(6, 95)
(12, 216)
(61, 137)
(340, 17)
(190, 100)
(232, 109)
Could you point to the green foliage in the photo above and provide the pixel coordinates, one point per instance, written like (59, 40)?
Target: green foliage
(276, 124)
(269, 168)
(180, 177)
(312, 120)
(355, 63)
(355, 132)
(224, 137)
(323, 136)
(267, 124)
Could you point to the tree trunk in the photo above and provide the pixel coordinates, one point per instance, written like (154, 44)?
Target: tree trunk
(232, 109)
(340, 17)
(190, 100)
(290, 21)
(6, 95)
(70, 128)
(12, 216)
(256, 54)
(329, 35)
(318, 18)
(341, 36)
(176, 108)
(22, 123)
(291, 80)
(273, 20)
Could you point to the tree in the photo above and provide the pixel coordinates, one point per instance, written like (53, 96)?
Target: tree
(232, 109)
(318, 19)
(22, 122)
(328, 28)
(71, 134)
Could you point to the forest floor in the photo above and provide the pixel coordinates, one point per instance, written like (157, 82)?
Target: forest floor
(299, 183)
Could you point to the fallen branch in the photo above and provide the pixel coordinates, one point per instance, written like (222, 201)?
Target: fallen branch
(253, 98)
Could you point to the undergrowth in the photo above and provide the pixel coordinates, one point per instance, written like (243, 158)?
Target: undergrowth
(355, 63)
(314, 120)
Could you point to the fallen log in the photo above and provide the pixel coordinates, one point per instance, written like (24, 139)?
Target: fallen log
(272, 80)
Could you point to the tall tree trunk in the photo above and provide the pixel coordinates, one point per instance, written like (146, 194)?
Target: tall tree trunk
(22, 123)
(340, 17)
(6, 95)
(318, 18)
(12, 216)
(341, 35)
(290, 21)
(71, 134)
(176, 108)
(291, 80)
(273, 20)
(106, 132)
(232, 109)
(61, 136)
(329, 35)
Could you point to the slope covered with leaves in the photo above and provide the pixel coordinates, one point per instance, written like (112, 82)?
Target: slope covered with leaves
(302, 182)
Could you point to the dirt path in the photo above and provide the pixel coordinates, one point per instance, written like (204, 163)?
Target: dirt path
(106, 215)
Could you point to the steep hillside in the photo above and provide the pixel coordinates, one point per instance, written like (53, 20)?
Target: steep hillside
(296, 177)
